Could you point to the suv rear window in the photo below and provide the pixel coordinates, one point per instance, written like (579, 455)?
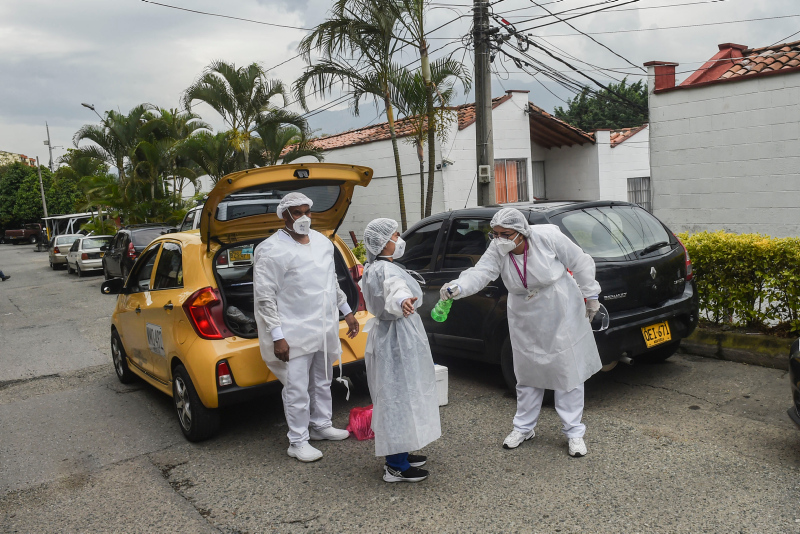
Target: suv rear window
(613, 233)
(142, 238)
(265, 198)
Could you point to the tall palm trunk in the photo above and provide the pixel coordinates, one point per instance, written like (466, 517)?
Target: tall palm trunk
(401, 196)
(426, 76)
(421, 158)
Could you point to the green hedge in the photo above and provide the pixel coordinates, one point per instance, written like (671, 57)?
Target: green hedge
(748, 280)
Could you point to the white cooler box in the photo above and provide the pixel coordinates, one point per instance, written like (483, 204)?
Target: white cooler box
(441, 383)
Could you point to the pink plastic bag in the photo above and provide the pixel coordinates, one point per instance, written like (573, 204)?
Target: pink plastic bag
(360, 424)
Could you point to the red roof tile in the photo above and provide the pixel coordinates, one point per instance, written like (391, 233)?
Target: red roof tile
(623, 134)
(752, 61)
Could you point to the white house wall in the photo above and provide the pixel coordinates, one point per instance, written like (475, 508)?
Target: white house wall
(725, 156)
(629, 159)
(571, 173)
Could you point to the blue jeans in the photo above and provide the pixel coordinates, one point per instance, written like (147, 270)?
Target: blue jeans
(398, 461)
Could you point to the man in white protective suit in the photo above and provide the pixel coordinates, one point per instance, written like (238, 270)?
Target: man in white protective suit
(296, 296)
(549, 314)
(400, 371)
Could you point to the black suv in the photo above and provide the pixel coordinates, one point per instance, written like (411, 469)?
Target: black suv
(129, 242)
(643, 269)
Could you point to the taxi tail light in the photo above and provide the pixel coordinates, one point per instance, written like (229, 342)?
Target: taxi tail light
(222, 259)
(204, 310)
(689, 270)
(224, 376)
(356, 272)
(84, 256)
(131, 251)
(56, 251)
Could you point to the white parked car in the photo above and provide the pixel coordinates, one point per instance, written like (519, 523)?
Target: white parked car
(85, 254)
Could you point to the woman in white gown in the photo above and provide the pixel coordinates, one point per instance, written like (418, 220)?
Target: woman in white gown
(551, 338)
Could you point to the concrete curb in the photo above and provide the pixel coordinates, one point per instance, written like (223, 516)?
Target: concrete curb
(752, 349)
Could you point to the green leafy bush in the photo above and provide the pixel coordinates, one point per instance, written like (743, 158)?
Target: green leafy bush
(360, 252)
(748, 280)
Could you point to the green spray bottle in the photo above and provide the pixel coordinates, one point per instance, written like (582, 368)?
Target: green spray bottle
(441, 310)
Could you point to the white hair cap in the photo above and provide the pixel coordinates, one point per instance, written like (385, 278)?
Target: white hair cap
(377, 233)
(293, 199)
(513, 219)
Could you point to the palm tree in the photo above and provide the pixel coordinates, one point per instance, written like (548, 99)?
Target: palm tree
(243, 97)
(213, 153)
(413, 103)
(285, 143)
(410, 17)
(359, 29)
(114, 139)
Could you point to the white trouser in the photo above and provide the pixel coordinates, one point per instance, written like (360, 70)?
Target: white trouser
(569, 405)
(306, 394)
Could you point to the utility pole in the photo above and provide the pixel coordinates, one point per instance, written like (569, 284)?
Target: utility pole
(50, 148)
(41, 185)
(484, 142)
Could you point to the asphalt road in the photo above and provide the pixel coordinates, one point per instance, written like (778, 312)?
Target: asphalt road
(692, 445)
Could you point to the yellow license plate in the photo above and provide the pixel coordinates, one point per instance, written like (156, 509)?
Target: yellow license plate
(102, 254)
(656, 334)
(238, 255)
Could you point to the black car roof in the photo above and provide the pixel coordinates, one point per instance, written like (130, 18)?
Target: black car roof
(548, 207)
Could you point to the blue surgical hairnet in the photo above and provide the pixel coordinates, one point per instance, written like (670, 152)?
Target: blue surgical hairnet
(513, 219)
(377, 233)
(293, 199)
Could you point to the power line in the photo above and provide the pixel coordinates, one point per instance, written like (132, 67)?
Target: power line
(675, 27)
(625, 9)
(578, 15)
(226, 16)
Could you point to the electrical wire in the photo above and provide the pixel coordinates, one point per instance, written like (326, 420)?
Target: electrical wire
(676, 27)
(226, 16)
(627, 8)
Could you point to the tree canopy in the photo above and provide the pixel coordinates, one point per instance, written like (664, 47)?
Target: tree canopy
(622, 106)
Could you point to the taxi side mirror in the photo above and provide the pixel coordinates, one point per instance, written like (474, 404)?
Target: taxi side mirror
(115, 286)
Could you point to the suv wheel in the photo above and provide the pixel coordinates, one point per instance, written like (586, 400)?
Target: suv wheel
(660, 354)
(120, 360)
(197, 422)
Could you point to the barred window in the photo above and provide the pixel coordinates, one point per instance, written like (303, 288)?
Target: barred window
(639, 192)
(511, 180)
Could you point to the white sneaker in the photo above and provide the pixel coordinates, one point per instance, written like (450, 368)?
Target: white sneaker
(577, 447)
(330, 433)
(516, 438)
(304, 452)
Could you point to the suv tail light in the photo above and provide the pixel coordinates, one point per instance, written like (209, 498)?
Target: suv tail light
(689, 270)
(356, 272)
(224, 376)
(84, 256)
(204, 310)
(56, 251)
(131, 251)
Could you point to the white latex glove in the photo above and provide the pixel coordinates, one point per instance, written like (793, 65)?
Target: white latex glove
(449, 291)
(592, 307)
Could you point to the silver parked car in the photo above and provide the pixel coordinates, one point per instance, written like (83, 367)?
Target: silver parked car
(85, 254)
(59, 248)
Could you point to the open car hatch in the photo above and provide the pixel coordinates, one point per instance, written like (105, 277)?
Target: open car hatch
(243, 204)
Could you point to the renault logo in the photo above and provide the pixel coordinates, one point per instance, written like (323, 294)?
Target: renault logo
(653, 273)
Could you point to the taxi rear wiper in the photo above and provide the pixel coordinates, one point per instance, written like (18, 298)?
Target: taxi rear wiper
(653, 247)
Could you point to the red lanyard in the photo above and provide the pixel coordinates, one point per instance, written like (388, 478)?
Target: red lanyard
(523, 278)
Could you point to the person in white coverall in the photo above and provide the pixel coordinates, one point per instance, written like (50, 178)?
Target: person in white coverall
(400, 372)
(549, 314)
(296, 299)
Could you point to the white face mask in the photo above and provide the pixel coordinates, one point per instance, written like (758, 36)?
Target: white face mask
(505, 246)
(302, 225)
(399, 249)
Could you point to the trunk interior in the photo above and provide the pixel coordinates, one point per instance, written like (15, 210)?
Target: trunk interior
(235, 284)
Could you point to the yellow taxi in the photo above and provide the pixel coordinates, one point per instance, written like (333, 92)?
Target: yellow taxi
(184, 320)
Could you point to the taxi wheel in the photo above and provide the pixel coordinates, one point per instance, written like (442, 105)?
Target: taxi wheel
(120, 360)
(659, 355)
(197, 422)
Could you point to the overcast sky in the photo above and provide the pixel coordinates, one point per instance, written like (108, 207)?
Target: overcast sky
(115, 54)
